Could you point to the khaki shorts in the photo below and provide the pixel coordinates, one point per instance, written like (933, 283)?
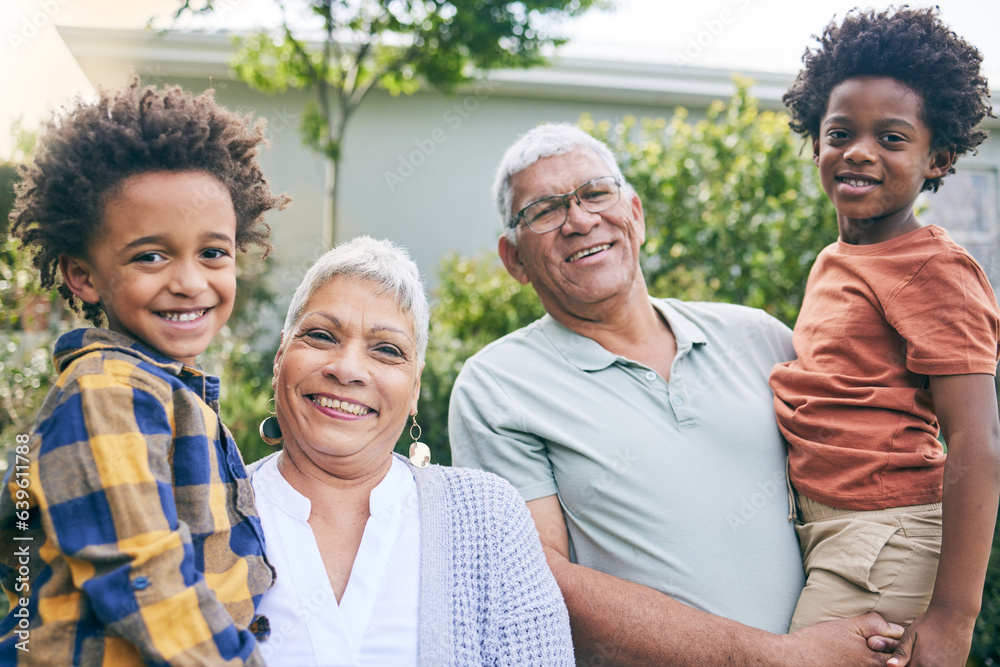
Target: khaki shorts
(856, 562)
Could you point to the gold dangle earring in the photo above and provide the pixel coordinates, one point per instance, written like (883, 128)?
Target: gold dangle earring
(420, 454)
(270, 431)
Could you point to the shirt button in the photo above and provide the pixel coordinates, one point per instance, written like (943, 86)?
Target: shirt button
(140, 583)
(677, 400)
(651, 376)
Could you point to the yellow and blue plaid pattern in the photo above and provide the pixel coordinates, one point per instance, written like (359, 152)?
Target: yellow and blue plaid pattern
(145, 547)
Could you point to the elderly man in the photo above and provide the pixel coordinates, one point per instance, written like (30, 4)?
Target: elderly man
(641, 433)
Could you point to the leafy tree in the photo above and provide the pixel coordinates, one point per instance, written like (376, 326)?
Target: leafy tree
(733, 211)
(340, 50)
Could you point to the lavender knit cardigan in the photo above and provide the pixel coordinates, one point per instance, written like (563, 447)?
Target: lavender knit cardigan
(487, 596)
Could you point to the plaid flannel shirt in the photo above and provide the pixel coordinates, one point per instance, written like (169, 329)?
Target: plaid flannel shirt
(143, 544)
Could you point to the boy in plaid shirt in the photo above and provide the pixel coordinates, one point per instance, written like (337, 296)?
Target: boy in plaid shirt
(136, 519)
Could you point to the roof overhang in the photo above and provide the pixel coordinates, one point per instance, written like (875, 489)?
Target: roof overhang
(102, 54)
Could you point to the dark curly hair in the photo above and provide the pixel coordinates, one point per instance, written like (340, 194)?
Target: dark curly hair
(911, 46)
(84, 157)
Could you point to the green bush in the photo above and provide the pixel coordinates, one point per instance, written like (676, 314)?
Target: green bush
(241, 359)
(475, 303)
(733, 211)
(30, 320)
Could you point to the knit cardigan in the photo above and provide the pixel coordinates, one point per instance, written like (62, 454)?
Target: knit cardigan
(487, 596)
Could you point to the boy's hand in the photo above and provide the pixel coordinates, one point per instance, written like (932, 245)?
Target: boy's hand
(937, 638)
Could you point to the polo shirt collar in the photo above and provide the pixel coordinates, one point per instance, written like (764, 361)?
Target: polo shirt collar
(588, 355)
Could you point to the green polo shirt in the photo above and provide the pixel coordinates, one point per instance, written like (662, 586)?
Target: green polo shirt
(679, 485)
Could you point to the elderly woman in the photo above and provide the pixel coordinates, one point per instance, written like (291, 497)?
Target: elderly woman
(379, 561)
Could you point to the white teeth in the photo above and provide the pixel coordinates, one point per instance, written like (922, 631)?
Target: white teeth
(856, 183)
(344, 406)
(589, 251)
(183, 317)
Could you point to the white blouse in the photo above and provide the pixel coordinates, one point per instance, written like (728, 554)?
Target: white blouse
(376, 620)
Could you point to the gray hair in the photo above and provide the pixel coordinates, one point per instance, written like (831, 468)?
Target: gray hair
(381, 262)
(543, 141)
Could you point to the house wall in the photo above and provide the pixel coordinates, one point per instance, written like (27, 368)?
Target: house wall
(416, 169)
(419, 169)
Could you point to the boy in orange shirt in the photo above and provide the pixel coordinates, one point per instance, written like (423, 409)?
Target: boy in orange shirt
(898, 333)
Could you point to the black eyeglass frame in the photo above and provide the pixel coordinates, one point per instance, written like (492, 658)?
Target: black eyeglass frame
(566, 204)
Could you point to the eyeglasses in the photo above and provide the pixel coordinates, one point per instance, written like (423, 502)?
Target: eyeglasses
(551, 213)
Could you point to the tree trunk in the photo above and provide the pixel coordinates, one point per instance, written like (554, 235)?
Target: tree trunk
(330, 204)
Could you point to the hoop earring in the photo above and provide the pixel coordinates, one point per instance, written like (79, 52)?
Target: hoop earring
(420, 454)
(270, 431)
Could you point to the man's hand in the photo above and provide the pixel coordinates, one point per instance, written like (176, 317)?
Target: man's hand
(847, 641)
(617, 622)
(937, 638)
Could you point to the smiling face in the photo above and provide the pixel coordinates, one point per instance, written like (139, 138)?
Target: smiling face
(874, 154)
(592, 261)
(346, 378)
(163, 266)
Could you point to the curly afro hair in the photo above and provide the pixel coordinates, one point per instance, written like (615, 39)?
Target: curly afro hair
(911, 46)
(84, 157)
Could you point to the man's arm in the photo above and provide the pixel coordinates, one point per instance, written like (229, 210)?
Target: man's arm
(618, 622)
(966, 406)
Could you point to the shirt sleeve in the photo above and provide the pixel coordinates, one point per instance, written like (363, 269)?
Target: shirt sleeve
(107, 501)
(948, 315)
(772, 342)
(534, 623)
(485, 430)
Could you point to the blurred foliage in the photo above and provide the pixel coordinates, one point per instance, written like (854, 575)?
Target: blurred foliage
(734, 211)
(30, 317)
(26, 306)
(475, 303)
(339, 51)
(986, 640)
(243, 366)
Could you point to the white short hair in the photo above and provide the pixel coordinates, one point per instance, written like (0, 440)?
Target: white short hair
(378, 261)
(543, 141)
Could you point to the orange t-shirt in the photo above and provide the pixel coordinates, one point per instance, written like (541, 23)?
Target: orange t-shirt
(855, 406)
